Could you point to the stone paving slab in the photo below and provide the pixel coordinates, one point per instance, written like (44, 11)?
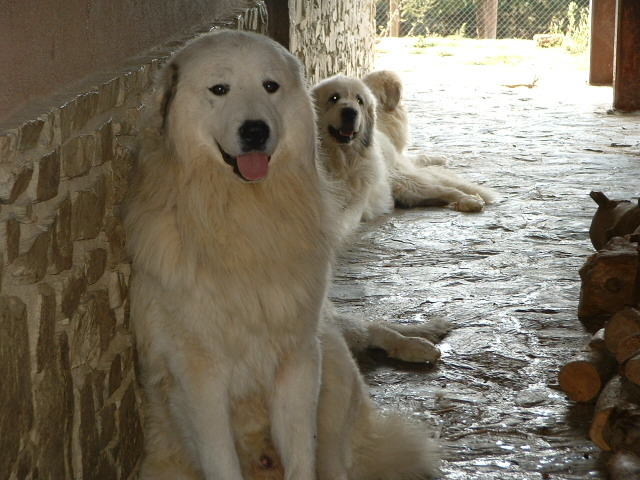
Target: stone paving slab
(507, 277)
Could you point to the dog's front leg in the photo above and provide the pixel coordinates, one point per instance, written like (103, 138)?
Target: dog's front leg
(201, 406)
(294, 410)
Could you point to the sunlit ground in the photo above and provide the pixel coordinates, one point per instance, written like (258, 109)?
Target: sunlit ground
(500, 63)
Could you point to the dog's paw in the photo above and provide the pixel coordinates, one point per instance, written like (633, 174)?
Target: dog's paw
(415, 350)
(438, 327)
(425, 160)
(469, 203)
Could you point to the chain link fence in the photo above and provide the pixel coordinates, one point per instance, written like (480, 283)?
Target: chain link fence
(481, 18)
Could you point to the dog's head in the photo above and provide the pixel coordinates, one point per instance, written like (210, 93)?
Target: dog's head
(346, 111)
(232, 97)
(386, 87)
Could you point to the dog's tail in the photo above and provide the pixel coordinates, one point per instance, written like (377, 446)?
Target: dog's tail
(395, 448)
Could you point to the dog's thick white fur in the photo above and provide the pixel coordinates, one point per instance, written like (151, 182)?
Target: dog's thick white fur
(245, 369)
(363, 140)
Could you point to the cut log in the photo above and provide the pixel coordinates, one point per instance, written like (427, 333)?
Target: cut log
(628, 347)
(631, 369)
(608, 281)
(606, 217)
(624, 466)
(628, 222)
(622, 430)
(587, 373)
(615, 393)
(624, 324)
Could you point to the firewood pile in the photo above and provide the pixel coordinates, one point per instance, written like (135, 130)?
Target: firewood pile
(607, 371)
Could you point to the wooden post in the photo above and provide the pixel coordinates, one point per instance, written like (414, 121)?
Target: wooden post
(394, 18)
(603, 33)
(487, 19)
(626, 78)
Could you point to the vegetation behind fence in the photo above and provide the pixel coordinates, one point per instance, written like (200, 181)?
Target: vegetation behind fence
(481, 18)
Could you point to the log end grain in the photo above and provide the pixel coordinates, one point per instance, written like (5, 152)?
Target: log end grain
(580, 380)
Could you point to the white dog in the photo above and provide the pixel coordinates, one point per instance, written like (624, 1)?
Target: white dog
(230, 229)
(365, 156)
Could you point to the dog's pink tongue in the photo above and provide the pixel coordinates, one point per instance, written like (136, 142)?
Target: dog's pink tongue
(253, 166)
(347, 133)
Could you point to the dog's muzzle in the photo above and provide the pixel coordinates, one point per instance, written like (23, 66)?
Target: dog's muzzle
(253, 165)
(347, 130)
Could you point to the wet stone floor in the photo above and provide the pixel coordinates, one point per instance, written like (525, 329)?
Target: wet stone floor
(507, 277)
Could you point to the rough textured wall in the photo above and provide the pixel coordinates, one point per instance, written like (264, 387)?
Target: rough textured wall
(69, 399)
(333, 36)
(49, 44)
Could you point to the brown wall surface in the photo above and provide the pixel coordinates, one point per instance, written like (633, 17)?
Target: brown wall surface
(49, 45)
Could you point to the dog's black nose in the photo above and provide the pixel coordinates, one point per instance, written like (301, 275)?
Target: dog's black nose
(348, 114)
(254, 134)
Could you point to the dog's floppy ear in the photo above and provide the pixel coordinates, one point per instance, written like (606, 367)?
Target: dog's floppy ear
(157, 107)
(170, 84)
(392, 94)
(370, 120)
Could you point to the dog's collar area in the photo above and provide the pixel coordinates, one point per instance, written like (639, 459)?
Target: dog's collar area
(250, 167)
(342, 136)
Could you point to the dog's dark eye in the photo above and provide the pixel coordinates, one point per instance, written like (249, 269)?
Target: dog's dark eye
(270, 86)
(334, 98)
(219, 89)
(360, 100)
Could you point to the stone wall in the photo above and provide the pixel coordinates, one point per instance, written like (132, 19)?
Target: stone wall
(69, 398)
(333, 36)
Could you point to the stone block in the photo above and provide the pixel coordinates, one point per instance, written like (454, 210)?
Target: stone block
(48, 176)
(116, 241)
(121, 166)
(44, 311)
(96, 261)
(117, 289)
(72, 289)
(93, 325)
(115, 375)
(31, 266)
(47, 136)
(88, 446)
(63, 120)
(11, 240)
(110, 94)
(133, 81)
(105, 150)
(99, 379)
(8, 146)
(104, 317)
(16, 415)
(86, 108)
(61, 246)
(54, 404)
(108, 427)
(84, 349)
(14, 180)
(130, 432)
(86, 215)
(77, 155)
(29, 133)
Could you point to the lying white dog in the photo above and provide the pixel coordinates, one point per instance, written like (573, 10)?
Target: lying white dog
(230, 229)
(364, 155)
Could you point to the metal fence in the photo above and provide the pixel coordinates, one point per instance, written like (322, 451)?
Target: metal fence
(479, 18)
